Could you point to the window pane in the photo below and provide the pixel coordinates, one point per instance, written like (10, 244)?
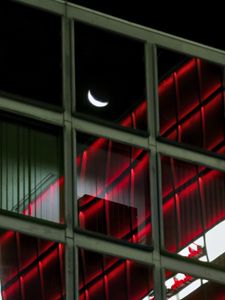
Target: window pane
(30, 53)
(191, 101)
(31, 268)
(184, 286)
(113, 189)
(31, 170)
(193, 210)
(108, 277)
(110, 68)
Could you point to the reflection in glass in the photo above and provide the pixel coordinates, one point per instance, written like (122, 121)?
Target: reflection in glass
(184, 286)
(113, 189)
(191, 101)
(108, 277)
(110, 77)
(30, 171)
(31, 268)
(193, 210)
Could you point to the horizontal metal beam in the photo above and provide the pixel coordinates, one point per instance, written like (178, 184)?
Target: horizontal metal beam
(108, 247)
(110, 133)
(31, 111)
(145, 34)
(26, 226)
(191, 156)
(129, 29)
(189, 267)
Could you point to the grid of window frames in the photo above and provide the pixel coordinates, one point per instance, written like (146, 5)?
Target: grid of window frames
(112, 148)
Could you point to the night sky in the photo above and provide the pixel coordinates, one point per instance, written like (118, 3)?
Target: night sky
(31, 56)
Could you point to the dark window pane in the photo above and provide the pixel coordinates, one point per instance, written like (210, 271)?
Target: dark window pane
(110, 68)
(30, 170)
(108, 277)
(191, 101)
(184, 286)
(193, 210)
(29, 270)
(30, 53)
(113, 189)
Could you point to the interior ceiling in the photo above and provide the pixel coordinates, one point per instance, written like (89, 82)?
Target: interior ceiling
(203, 24)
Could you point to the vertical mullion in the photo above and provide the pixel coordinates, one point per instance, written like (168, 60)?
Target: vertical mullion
(67, 142)
(153, 124)
(76, 262)
(76, 213)
(72, 66)
(223, 93)
(1, 163)
(76, 218)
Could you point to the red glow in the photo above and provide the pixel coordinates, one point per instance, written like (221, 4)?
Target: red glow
(184, 195)
(11, 291)
(127, 122)
(83, 165)
(6, 236)
(51, 257)
(97, 144)
(140, 111)
(166, 84)
(134, 120)
(189, 123)
(187, 68)
(35, 207)
(194, 252)
(178, 283)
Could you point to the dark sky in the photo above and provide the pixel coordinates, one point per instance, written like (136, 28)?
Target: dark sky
(204, 24)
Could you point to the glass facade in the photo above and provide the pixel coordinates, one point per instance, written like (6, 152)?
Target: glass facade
(193, 210)
(191, 101)
(31, 268)
(108, 277)
(31, 170)
(111, 159)
(113, 189)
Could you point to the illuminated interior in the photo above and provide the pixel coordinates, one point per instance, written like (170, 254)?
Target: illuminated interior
(113, 199)
(31, 170)
(106, 277)
(191, 103)
(31, 268)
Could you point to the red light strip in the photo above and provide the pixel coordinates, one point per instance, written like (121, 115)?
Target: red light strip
(192, 252)
(37, 262)
(135, 116)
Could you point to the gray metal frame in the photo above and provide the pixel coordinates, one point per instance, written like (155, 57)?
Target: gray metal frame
(70, 124)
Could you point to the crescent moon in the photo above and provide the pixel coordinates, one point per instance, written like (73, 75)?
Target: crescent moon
(96, 102)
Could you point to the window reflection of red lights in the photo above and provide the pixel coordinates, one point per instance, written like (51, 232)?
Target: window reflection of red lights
(191, 103)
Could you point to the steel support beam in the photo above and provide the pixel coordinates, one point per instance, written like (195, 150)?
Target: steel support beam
(45, 230)
(198, 270)
(109, 247)
(30, 111)
(110, 133)
(145, 34)
(130, 29)
(199, 158)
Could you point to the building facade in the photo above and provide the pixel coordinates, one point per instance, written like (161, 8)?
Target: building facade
(112, 159)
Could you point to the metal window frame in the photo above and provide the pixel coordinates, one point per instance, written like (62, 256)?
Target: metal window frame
(70, 124)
